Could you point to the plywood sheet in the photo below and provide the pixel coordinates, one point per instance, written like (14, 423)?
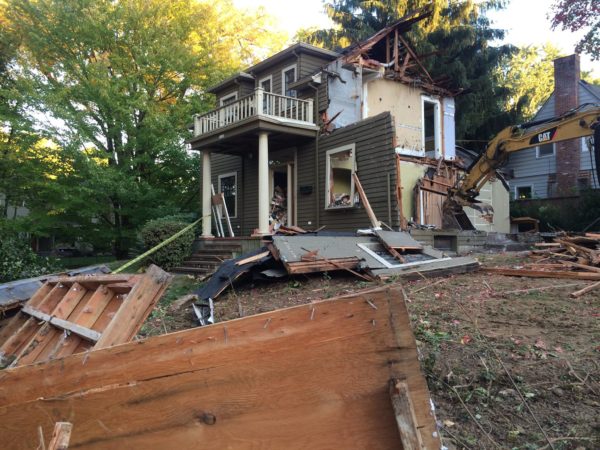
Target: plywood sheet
(398, 239)
(313, 376)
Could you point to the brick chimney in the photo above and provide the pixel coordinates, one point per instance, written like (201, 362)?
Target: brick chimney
(566, 97)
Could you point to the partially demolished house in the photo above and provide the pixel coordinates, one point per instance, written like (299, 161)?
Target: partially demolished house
(291, 134)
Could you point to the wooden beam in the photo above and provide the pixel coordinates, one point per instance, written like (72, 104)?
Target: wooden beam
(405, 416)
(250, 259)
(61, 436)
(365, 202)
(403, 223)
(416, 58)
(543, 274)
(83, 332)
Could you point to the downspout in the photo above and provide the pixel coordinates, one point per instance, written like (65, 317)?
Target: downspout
(317, 190)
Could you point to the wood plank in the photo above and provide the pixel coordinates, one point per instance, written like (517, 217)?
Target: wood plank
(585, 290)
(365, 202)
(405, 416)
(61, 436)
(543, 274)
(321, 265)
(64, 324)
(253, 258)
(96, 279)
(135, 308)
(314, 377)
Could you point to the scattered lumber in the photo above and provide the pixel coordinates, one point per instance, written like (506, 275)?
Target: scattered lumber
(544, 273)
(253, 258)
(320, 379)
(365, 202)
(322, 265)
(74, 314)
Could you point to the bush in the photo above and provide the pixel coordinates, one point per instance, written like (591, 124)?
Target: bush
(18, 260)
(156, 231)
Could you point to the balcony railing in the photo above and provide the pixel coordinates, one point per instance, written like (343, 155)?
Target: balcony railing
(259, 103)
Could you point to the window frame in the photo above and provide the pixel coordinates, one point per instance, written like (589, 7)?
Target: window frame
(328, 153)
(530, 186)
(267, 78)
(537, 151)
(227, 97)
(437, 125)
(227, 175)
(584, 145)
(283, 72)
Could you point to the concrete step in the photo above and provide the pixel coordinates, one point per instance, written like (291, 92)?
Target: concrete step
(218, 246)
(203, 260)
(215, 256)
(200, 265)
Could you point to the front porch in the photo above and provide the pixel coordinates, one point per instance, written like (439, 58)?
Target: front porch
(259, 129)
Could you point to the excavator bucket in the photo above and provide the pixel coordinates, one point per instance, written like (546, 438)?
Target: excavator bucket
(454, 216)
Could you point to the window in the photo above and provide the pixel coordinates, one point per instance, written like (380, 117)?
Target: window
(340, 166)
(523, 192)
(228, 99)
(552, 185)
(432, 137)
(268, 101)
(266, 83)
(542, 151)
(583, 181)
(228, 186)
(288, 76)
(587, 143)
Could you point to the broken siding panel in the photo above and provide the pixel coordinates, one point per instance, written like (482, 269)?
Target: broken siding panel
(373, 139)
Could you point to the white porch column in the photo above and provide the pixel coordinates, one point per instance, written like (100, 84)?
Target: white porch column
(206, 195)
(263, 182)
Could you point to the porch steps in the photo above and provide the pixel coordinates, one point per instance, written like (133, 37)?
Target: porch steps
(208, 259)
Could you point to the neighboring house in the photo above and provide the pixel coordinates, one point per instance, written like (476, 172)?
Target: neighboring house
(289, 133)
(12, 211)
(561, 169)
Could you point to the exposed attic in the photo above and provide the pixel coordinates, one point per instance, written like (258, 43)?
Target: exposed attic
(390, 50)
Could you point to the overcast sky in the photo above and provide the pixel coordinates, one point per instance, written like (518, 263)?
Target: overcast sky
(526, 22)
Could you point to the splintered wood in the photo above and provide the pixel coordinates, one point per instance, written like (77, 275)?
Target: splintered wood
(312, 376)
(74, 314)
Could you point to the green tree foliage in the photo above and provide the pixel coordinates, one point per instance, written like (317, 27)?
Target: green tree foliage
(457, 37)
(115, 84)
(528, 76)
(575, 15)
(157, 231)
(17, 260)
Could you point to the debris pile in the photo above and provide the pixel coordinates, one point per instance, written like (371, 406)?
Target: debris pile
(570, 257)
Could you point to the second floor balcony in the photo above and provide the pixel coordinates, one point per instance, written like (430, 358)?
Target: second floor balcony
(260, 105)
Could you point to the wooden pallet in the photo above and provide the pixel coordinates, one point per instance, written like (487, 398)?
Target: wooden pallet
(312, 376)
(73, 314)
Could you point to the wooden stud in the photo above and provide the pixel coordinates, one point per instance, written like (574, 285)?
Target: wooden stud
(405, 416)
(585, 290)
(61, 436)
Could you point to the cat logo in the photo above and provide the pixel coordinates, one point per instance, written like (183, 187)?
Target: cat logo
(544, 136)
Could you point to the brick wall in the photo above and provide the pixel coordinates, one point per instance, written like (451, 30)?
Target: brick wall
(566, 88)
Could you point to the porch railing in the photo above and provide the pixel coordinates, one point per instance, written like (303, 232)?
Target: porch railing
(259, 103)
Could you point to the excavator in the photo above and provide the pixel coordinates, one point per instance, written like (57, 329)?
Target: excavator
(583, 121)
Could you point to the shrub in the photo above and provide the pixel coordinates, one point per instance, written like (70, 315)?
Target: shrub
(156, 231)
(18, 260)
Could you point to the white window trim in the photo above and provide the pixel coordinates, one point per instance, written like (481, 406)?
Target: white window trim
(268, 78)
(523, 186)
(537, 152)
(328, 153)
(233, 95)
(283, 71)
(226, 175)
(437, 124)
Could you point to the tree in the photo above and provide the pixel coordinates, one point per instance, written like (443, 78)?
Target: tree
(528, 76)
(119, 82)
(575, 15)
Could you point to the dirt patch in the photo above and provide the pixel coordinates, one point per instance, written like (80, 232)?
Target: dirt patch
(481, 344)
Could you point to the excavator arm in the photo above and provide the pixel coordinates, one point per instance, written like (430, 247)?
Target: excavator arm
(580, 122)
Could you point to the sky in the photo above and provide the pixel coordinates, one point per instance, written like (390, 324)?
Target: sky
(526, 23)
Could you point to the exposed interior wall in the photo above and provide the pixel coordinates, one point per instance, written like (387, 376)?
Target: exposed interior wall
(404, 103)
(344, 95)
(410, 173)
